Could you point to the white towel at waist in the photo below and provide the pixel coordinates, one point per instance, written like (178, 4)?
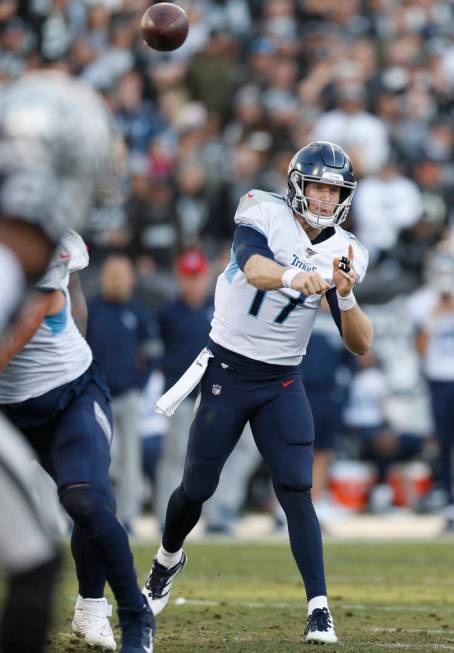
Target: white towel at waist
(170, 400)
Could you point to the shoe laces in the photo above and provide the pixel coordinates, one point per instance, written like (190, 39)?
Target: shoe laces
(319, 620)
(159, 577)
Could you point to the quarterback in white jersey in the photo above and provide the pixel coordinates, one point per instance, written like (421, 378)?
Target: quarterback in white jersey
(288, 252)
(274, 326)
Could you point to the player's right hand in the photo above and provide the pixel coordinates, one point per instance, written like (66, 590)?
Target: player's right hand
(310, 283)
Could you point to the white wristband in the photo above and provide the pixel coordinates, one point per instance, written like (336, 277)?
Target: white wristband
(346, 303)
(288, 277)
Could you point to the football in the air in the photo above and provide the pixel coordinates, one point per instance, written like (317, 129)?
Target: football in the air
(164, 26)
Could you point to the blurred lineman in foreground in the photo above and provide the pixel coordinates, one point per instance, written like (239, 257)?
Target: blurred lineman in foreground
(57, 158)
(53, 390)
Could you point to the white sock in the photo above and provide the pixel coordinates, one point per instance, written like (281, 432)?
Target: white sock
(317, 602)
(167, 559)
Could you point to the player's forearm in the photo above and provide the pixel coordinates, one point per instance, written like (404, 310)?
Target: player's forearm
(356, 330)
(79, 310)
(263, 273)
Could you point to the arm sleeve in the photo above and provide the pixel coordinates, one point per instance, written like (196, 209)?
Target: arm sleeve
(248, 241)
(333, 304)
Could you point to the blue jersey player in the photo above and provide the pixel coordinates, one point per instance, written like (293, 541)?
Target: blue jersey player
(287, 252)
(52, 390)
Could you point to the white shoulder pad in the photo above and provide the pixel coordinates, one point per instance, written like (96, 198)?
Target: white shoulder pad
(75, 247)
(360, 253)
(253, 209)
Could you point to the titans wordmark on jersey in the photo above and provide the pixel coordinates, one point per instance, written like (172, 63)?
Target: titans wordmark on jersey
(274, 326)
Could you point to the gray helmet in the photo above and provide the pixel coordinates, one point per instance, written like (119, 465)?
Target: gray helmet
(57, 151)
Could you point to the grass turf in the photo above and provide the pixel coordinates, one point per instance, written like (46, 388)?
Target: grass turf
(247, 598)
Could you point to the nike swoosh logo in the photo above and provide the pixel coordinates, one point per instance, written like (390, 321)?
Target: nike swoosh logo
(285, 384)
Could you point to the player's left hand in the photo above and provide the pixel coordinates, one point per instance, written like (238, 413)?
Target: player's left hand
(344, 274)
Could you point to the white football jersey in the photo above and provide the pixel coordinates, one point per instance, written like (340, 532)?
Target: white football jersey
(57, 353)
(274, 326)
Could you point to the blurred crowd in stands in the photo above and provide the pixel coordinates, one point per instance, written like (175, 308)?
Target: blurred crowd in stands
(255, 81)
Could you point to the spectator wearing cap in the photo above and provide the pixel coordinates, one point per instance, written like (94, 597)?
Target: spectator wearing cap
(184, 326)
(124, 339)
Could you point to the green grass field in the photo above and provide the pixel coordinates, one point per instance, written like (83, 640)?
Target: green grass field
(247, 598)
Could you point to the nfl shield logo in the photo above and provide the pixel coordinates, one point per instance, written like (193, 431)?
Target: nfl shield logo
(216, 389)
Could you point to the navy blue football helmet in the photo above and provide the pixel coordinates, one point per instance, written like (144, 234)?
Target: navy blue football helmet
(326, 163)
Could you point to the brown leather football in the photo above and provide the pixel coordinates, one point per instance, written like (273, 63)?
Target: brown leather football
(164, 26)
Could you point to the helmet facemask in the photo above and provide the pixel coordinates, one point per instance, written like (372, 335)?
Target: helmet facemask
(299, 202)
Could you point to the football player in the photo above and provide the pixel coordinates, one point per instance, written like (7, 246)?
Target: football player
(57, 158)
(287, 253)
(53, 391)
(50, 154)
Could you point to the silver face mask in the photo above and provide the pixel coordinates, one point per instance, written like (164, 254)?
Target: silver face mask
(57, 151)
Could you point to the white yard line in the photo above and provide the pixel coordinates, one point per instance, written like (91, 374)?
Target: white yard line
(180, 600)
(241, 604)
(412, 647)
(425, 580)
(426, 631)
(393, 608)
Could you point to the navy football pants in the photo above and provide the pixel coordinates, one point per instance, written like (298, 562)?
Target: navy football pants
(442, 397)
(235, 390)
(70, 428)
